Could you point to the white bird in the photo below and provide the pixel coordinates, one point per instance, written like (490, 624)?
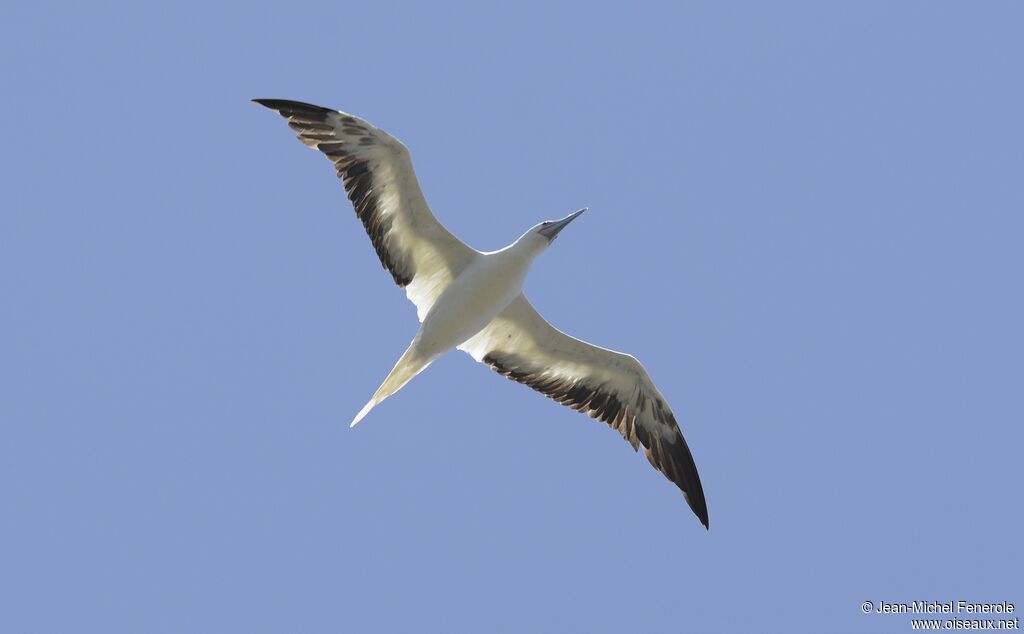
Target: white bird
(474, 301)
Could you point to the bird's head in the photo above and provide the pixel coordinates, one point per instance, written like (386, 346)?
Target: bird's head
(540, 236)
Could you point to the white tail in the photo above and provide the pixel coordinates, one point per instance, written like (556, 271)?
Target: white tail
(408, 366)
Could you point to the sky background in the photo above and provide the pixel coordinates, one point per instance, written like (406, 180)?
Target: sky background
(806, 221)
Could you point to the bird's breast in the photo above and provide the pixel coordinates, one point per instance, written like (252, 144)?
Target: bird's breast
(472, 300)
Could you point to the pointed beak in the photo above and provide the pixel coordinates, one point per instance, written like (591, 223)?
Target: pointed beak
(555, 228)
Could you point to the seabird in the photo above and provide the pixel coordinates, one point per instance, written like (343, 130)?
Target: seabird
(474, 301)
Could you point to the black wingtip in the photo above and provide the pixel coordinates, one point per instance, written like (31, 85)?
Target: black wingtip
(694, 496)
(702, 514)
(293, 106)
(700, 510)
(703, 520)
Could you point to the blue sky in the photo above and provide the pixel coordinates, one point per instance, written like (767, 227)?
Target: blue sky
(806, 221)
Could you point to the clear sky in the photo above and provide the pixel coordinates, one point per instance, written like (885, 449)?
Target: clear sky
(806, 220)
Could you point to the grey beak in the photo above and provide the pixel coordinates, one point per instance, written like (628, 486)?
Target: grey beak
(555, 228)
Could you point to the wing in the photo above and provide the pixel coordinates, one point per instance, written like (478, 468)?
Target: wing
(377, 173)
(608, 385)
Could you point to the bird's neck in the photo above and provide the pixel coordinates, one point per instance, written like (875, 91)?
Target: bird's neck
(513, 261)
(515, 257)
(528, 247)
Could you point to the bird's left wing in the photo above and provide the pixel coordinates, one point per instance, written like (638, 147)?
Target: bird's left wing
(376, 170)
(610, 386)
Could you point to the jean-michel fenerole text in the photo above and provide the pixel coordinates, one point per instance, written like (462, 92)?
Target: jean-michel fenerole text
(947, 607)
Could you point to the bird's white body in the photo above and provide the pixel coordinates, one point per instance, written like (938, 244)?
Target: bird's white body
(475, 297)
(474, 301)
(484, 288)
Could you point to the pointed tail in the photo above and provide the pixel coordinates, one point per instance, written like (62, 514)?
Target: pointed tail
(407, 367)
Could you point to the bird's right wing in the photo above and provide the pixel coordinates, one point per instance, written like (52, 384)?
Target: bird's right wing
(376, 170)
(610, 386)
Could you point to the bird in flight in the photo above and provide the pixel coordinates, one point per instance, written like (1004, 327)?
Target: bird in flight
(474, 301)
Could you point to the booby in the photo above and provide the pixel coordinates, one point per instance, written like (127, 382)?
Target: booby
(474, 301)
